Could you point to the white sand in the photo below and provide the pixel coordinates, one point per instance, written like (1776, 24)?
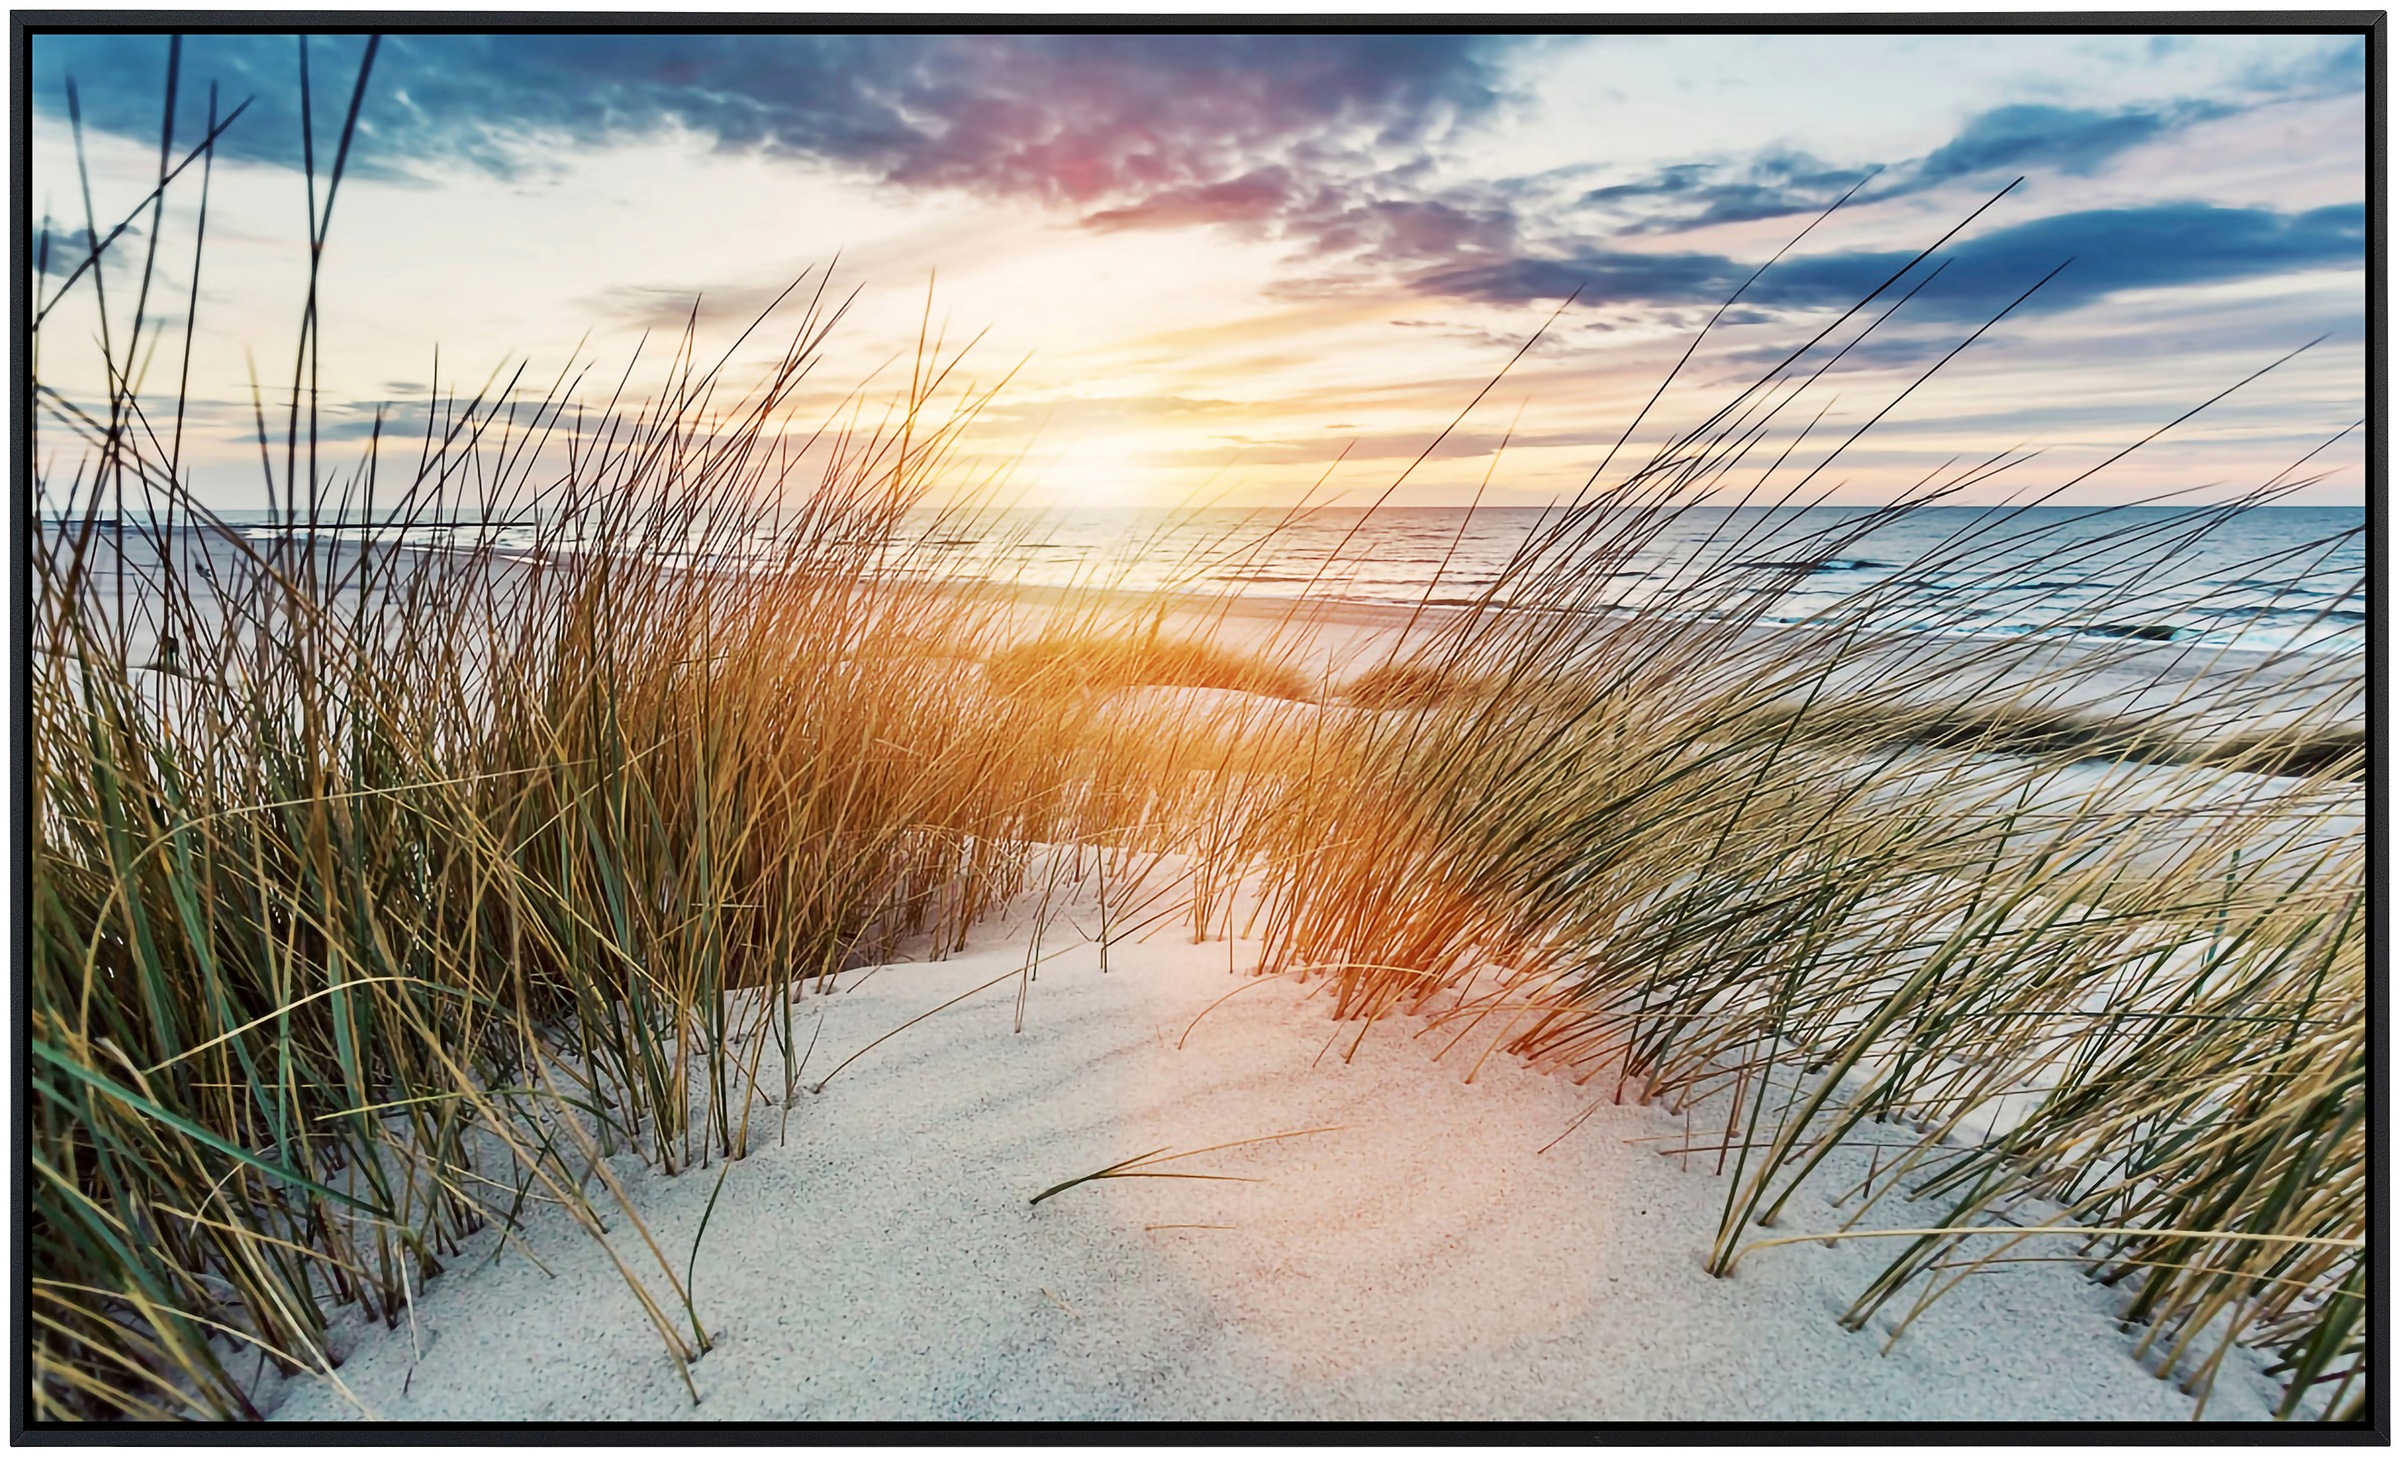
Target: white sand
(1426, 1261)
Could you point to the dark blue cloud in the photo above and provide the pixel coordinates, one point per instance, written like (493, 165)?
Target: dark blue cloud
(2339, 69)
(1598, 276)
(1992, 144)
(2069, 139)
(2111, 249)
(1698, 194)
(1073, 119)
(2164, 246)
(121, 79)
(70, 248)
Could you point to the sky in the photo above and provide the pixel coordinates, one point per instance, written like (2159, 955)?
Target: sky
(1249, 269)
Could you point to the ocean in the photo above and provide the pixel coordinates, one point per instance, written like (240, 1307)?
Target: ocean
(2278, 578)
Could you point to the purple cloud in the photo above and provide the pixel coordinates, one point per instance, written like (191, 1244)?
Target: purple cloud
(1075, 120)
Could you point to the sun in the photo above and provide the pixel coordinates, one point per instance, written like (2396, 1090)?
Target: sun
(1095, 472)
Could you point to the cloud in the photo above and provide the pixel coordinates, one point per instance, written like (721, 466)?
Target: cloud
(399, 423)
(1598, 275)
(669, 307)
(2164, 246)
(1785, 183)
(1079, 120)
(1404, 230)
(2070, 139)
(2112, 249)
(1497, 241)
(2338, 69)
(1775, 184)
(70, 248)
(1255, 196)
(121, 81)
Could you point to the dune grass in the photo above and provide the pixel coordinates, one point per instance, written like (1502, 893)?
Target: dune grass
(2303, 750)
(1680, 855)
(2338, 752)
(389, 882)
(1396, 685)
(438, 873)
(1093, 662)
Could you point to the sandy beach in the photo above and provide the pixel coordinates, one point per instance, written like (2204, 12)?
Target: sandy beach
(1447, 1237)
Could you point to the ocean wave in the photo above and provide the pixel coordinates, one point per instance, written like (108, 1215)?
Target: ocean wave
(2271, 584)
(2142, 631)
(1822, 564)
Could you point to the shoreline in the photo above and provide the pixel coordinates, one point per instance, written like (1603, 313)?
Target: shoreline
(2203, 691)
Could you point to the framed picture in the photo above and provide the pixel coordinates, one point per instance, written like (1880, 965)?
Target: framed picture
(1617, 727)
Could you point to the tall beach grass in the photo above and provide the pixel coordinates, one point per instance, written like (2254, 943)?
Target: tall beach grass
(2105, 975)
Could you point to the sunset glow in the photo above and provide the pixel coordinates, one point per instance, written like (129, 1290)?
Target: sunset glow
(1219, 265)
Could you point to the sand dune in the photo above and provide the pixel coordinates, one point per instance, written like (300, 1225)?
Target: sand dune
(1437, 1251)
